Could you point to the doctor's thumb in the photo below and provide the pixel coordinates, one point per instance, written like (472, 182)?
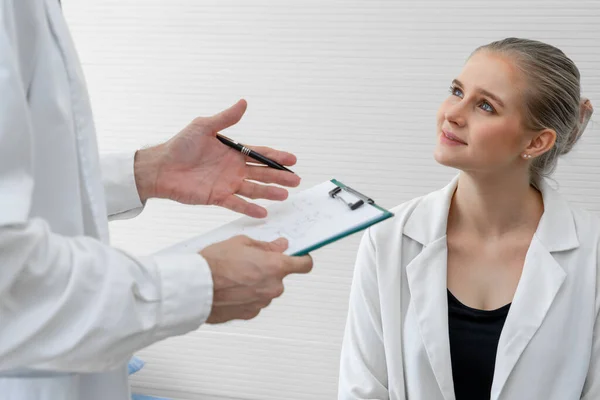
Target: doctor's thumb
(228, 117)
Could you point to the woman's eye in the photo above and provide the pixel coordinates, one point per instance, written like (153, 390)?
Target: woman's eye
(456, 91)
(485, 106)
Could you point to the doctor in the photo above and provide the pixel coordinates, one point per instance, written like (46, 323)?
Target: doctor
(490, 287)
(72, 308)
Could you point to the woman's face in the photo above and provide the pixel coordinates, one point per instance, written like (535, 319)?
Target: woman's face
(480, 125)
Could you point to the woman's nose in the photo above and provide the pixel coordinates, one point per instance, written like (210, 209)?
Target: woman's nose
(455, 115)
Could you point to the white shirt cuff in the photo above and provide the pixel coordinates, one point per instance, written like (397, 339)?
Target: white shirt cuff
(122, 198)
(186, 292)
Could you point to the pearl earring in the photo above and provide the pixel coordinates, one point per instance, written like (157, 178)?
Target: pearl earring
(526, 155)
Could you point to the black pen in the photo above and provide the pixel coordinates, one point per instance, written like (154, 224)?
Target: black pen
(251, 153)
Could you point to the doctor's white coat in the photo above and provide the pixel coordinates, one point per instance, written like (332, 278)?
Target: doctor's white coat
(396, 344)
(72, 308)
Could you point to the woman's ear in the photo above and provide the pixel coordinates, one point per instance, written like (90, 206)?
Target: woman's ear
(541, 142)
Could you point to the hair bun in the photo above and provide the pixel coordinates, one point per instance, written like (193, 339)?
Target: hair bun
(585, 113)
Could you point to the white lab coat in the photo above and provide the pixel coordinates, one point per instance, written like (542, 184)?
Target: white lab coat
(396, 343)
(72, 309)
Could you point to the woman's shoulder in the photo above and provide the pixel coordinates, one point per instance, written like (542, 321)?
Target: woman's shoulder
(402, 212)
(568, 228)
(565, 217)
(587, 225)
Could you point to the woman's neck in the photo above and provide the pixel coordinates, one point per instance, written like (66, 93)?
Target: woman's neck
(494, 206)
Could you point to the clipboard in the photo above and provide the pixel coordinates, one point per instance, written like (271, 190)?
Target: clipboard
(309, 220)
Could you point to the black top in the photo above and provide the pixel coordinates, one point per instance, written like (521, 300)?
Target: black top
(474, 336)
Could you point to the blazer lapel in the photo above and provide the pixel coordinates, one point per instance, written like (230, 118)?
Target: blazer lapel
(540, 282)
(427, 280)
(426, 276)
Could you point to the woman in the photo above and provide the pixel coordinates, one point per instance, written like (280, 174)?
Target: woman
(489, 287)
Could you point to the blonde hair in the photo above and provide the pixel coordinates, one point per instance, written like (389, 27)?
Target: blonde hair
(552, 98)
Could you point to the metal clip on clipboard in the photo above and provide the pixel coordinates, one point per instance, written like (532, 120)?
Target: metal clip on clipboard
(335, 193)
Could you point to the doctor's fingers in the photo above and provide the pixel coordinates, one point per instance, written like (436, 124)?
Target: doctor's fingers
(243, 295)
(253, 190)
(239, 205)
(223, 314)
(278, 264)
(266, 174)
(282, 157)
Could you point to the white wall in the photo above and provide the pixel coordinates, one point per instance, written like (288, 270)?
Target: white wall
(352, 88)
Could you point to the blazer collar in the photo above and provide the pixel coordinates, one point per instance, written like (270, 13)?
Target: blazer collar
(556, 229)
(429, 219)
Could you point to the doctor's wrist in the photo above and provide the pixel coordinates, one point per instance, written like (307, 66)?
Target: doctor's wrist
(146, 165)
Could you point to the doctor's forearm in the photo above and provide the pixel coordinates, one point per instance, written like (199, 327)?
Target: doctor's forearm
(77, 305)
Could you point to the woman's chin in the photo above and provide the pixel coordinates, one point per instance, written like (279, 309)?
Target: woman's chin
(443, 158)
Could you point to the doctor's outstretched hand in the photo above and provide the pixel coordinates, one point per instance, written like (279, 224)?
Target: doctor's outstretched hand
(194, 167)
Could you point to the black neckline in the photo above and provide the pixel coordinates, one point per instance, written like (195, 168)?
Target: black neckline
(499, 311)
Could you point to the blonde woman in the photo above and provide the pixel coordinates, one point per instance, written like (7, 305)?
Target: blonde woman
(488, 288)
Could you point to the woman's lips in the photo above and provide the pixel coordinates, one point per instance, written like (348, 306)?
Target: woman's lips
(451, 138)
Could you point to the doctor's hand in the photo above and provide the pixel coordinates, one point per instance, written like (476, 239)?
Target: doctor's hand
(247, 275)
(194, 167)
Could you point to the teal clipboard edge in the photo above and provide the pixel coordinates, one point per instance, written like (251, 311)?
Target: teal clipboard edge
(386, 214)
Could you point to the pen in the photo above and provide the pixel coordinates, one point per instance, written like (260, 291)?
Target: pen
(251, 153)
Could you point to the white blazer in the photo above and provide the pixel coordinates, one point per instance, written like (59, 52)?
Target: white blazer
(396, 343)
(72, 308)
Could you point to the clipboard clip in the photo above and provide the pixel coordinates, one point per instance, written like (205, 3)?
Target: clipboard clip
(335, 193)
